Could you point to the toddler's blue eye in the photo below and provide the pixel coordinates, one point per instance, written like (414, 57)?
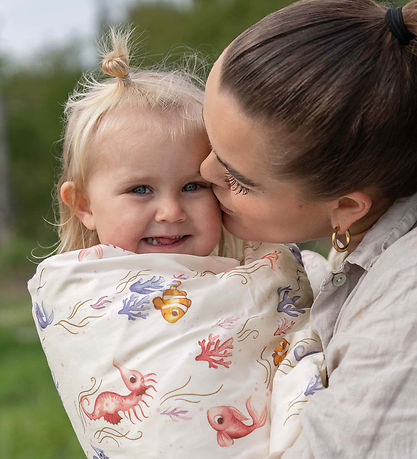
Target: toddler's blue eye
(142, 189)
(191, 187)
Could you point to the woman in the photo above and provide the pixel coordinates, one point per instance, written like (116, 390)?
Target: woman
(312, 116)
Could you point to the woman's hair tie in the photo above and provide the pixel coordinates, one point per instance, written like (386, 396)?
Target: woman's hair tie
(395, 21)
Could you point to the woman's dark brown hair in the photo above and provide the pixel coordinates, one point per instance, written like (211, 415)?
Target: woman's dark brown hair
(331, 73)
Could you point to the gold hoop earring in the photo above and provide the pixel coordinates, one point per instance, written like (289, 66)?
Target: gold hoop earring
(337, 244)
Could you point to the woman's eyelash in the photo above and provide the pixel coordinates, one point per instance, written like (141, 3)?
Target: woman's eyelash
(234, 185)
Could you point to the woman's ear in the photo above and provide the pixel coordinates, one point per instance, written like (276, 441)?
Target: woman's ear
(79, 204)
(349, 209)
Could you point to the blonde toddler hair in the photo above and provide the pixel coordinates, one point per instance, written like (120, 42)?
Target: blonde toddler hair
(176, 93)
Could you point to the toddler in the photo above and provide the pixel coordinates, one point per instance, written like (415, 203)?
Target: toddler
(163, 333)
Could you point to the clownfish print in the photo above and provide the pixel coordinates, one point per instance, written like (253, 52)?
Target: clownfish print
(280, 352)
(173, 304)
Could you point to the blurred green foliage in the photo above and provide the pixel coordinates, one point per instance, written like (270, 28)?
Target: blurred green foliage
(33, 423)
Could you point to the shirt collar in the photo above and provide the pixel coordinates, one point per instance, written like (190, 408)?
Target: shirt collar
(399, 219)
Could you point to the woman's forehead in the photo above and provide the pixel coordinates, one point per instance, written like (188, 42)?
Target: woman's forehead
(238, 140)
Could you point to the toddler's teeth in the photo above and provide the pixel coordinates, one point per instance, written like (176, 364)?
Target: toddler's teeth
(163, 240)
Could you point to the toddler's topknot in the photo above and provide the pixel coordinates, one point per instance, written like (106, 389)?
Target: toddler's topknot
(116, 62)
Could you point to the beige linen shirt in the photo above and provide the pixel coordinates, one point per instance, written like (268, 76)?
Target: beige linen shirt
(366, 317)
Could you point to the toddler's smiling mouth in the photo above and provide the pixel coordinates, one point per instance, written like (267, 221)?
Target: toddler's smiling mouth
(164, 240)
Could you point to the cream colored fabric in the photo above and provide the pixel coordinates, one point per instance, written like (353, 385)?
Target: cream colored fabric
(175, 355)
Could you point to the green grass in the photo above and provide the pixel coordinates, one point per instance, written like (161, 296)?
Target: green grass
(33, 423)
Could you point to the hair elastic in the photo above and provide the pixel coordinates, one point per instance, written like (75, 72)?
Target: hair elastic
(395, 22)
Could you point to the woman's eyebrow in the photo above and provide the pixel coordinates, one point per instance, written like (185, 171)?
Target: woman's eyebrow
(237, 175)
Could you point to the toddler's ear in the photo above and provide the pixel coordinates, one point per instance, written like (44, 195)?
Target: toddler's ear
(78, 202)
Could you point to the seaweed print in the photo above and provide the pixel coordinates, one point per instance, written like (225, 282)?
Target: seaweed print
(177, 395)
(297, 254)
(314, 385)
(228, 323)
(215, 352)
(272, 257)
(109, 404)
(100, 303)
(135, 307)
(98, 250)
(176, 414)
(287, 304)
(42, 316)
(100, 453)
(302, 351)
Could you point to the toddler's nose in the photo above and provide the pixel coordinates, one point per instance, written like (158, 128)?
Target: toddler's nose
(170, 210)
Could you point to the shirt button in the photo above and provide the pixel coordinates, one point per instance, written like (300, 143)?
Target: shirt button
(339, 279)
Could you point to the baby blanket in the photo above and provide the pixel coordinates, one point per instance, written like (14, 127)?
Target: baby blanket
(166, 355)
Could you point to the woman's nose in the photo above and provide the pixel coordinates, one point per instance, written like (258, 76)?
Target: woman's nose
(212, 171)
(170, 210)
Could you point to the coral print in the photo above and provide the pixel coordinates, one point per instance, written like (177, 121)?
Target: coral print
(215, 352)
(228, 422)
(284, 326)
(173, 304)
(135, 307)
(109, 404)
(145, 287)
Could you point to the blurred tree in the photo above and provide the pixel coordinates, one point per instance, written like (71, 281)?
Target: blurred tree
(207, 25)
(34, 96)
(5, 204)
(6, 208)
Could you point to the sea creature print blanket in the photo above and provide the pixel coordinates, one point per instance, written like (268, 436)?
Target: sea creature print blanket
(169, 356)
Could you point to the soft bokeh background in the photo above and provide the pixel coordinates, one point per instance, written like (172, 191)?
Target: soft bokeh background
(45, 46)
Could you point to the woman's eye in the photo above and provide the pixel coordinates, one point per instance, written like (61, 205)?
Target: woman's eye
(142, 189)
(234, 185)
(191, 187)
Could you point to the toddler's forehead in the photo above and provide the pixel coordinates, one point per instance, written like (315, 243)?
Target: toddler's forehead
(148, 121)
(131, 131)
